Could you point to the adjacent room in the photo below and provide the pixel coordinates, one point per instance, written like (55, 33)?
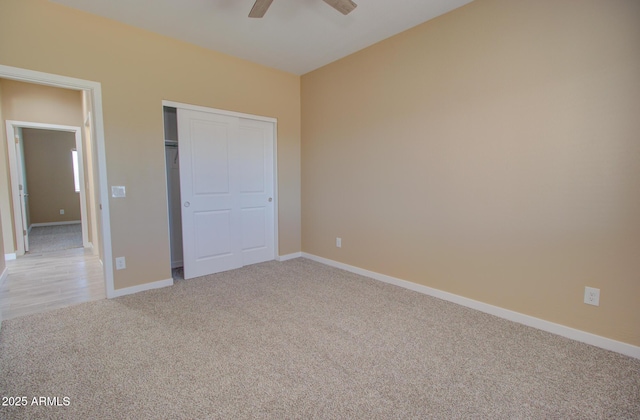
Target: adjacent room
(322, 209)
(51, 162)
(51, 236)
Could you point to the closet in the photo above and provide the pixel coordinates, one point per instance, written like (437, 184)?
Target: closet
(173, 188)
(220, 188)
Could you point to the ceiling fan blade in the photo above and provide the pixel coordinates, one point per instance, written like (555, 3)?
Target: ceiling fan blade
(259, 8)
(343, 6)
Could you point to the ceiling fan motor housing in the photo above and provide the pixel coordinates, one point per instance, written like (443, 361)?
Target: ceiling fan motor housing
(260, 7)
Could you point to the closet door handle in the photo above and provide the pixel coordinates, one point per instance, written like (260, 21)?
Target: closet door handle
(187, 204)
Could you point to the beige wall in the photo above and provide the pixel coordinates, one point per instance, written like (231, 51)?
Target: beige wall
(2, 172)
(5, 202)
(49, 169)
(493, 153)
(3, 264)
(137, 70)
(5, 205)
(31, 103)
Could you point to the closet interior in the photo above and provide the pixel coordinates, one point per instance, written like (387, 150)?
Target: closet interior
(172, 161)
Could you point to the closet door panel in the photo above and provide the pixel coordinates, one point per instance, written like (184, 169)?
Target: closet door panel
(227, 191)
(255, 144)
(210, 214)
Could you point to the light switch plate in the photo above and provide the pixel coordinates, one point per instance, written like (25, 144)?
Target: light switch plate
(118, 191)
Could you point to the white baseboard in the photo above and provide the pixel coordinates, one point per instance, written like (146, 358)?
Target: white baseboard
(176, 264)
(10, 257)
(71, 222)
(288, 256)
(541, 324)
(141, 288)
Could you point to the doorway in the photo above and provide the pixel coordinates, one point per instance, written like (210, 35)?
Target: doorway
(92, 94)
(51, 184)
(55, 266)
(55, 157)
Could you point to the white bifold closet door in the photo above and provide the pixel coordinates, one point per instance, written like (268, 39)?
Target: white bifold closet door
(226, 188)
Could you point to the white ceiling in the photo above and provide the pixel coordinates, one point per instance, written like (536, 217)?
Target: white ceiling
(296, 36)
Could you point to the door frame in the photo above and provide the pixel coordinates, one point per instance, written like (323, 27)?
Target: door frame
(15, 176)
(274, 121)
(94, 89)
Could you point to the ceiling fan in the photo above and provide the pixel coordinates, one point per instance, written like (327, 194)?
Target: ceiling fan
(343, 6)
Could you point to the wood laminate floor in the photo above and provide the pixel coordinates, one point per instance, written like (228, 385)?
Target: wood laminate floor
(51, 280)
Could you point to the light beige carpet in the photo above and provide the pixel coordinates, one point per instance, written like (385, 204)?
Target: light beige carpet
(55, 238)
(302, 340)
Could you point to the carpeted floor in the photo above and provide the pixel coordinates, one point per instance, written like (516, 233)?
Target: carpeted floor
(55, 238)
(302, 340)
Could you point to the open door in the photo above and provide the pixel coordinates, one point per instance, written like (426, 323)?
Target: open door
(23, 191)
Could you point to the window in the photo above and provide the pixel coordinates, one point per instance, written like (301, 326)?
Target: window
(76, 175)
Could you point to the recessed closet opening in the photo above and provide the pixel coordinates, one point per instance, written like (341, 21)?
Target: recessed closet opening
(221, 172)
(172, 162)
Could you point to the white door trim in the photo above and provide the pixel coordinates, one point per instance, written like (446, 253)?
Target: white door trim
(95, 90)
(190, 107)
(13, 165)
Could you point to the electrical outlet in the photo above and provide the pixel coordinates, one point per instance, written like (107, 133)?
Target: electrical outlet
(120, 263)
(339, 242)
(61, 211)
(592, 296)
